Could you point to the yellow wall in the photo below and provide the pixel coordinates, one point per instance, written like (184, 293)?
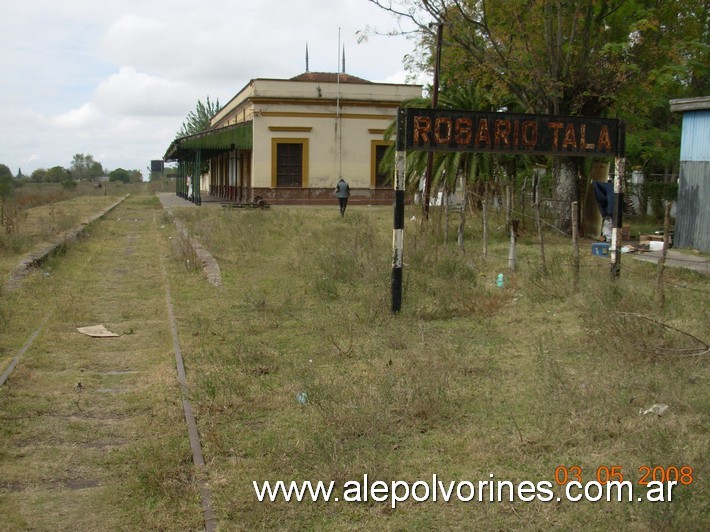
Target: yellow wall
(290, 110)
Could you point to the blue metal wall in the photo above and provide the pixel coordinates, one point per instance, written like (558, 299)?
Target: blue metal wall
(695, 139)
(692, 225)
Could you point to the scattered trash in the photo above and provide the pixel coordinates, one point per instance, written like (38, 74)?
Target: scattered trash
(301, 398)
(657, 409)
(600, 249)
(413, 219)
(97, 331)
(499, 281)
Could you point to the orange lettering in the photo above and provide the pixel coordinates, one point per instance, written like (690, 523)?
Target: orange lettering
(483, 135)
(464, 131)
(583, 138)
(604, 141)
(442, 123)
(422, 128)
(555, 126)
(502, 132)
(570, 137)
(529, 136)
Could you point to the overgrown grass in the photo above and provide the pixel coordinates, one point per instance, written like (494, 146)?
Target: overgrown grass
(298, 371)
(469, 380)
(40, 213)
(92, 434)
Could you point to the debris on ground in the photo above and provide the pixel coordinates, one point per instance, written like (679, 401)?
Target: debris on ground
(97, 331)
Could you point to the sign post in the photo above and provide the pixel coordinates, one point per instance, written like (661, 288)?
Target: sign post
(398, 227)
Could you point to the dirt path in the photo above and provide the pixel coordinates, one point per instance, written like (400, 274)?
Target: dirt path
(676, 259)
(92, 430)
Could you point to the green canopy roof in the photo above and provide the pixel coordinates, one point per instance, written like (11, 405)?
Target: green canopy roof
(212, 142)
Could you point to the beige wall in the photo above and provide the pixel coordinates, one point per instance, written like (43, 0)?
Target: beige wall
(326, 157)
(308, 112)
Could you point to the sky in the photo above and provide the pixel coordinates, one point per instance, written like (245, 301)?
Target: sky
(116, 79)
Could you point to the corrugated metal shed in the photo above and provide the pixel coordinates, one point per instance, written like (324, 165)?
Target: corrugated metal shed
(692, 228)
(692, 225)
(695, 139)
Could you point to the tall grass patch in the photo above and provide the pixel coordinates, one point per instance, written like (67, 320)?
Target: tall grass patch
(299, 371)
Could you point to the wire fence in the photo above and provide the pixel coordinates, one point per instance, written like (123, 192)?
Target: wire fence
(548, 222)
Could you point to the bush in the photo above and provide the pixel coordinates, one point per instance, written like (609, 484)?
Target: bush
(69, 184)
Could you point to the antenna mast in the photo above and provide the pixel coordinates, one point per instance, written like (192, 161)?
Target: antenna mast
(338, 120)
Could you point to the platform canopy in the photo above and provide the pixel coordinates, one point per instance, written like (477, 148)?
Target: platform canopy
(211, 142)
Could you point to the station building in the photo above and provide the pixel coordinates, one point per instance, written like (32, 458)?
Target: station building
(288, 141)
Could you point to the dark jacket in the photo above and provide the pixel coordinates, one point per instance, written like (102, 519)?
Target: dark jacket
(342, 189)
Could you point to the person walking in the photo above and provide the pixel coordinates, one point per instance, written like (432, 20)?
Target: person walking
(342, 192)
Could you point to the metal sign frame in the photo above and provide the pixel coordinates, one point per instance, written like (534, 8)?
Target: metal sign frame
(507, 133)
(502, 133)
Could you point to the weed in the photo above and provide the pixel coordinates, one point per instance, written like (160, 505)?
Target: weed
(297, 370)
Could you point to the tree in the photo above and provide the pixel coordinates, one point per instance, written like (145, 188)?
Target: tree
(448, 167)
(6, 190)
(69, 183)
(119, 174)
(577, 57)
(39, 175)
(84, 168)
(56, 174)
(198, 120)
(136, 176)
(671, 46)
(6, 184)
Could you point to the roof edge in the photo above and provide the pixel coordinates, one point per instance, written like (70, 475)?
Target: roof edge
(690, 104)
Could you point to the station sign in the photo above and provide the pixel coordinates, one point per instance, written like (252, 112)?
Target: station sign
(472, 131)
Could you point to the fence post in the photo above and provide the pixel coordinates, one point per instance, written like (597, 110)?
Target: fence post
(662, 259)
(538, 221)
(575, 246)
(513, 239)
(484, 206)
(614, 251)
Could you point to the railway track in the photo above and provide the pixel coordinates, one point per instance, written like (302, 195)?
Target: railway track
(98, 433)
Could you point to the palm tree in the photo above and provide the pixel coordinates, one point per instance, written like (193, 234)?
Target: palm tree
(448, 167)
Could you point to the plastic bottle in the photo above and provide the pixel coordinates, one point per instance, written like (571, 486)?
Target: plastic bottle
(499, 281)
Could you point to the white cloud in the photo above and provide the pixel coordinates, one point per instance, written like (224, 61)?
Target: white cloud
(84, 117)
(117, 79)
(133, 93)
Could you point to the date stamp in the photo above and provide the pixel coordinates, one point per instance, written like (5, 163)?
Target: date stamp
(682, 475)
(654, 483)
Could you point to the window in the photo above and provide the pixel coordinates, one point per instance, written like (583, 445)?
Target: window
(289, 162)
(379, 178)
(289, 165)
